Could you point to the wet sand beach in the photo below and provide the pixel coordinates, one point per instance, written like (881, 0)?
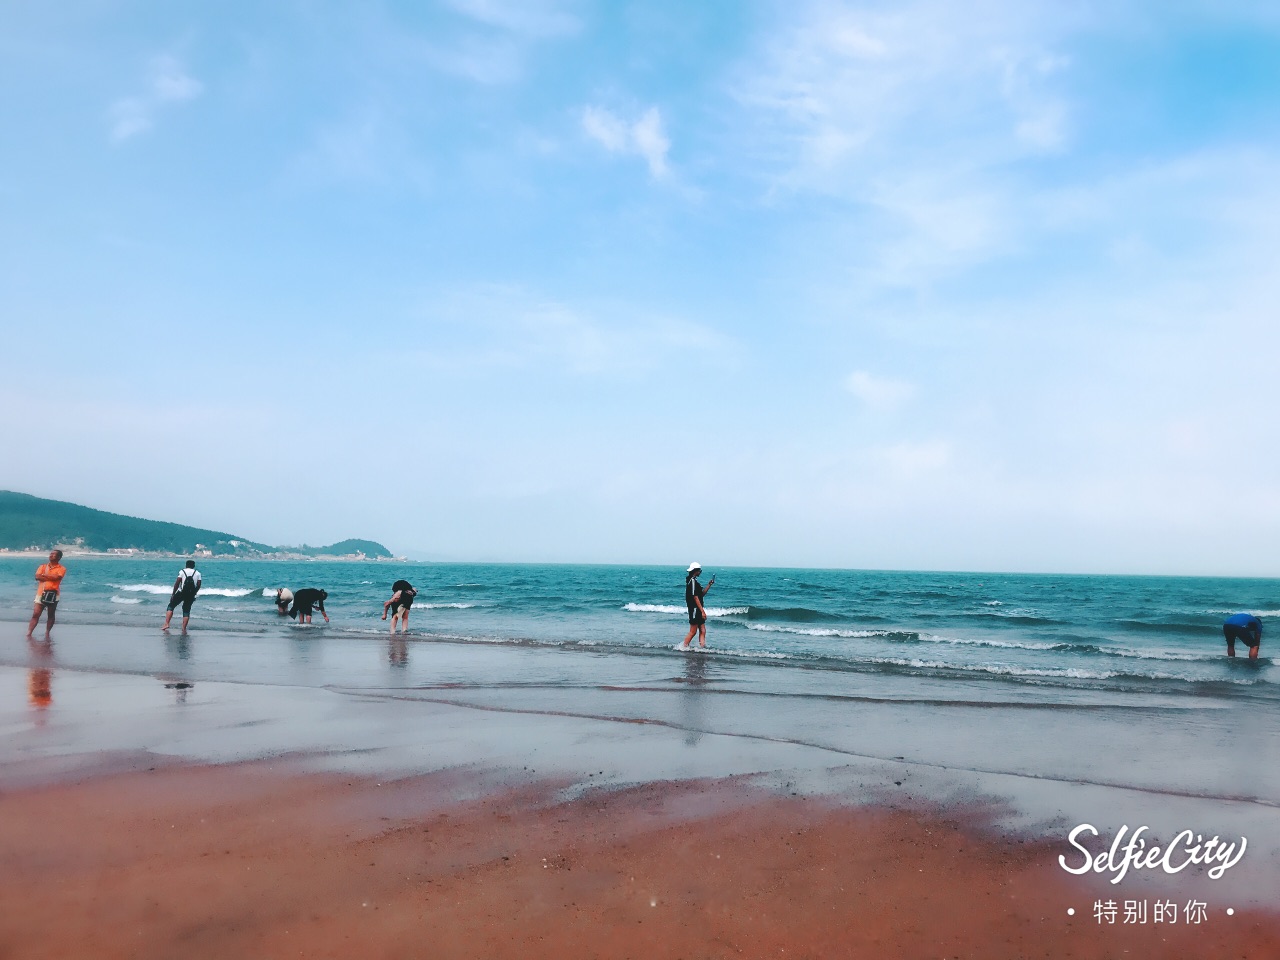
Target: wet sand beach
(258, 860)
(342, 796)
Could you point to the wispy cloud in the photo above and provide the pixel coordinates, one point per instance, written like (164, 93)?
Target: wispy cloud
(879, 393)
(365, 147)
(491, 41)
(514, 328)
(532, 18)
(168, 84)
(643, 137)
(915, 113)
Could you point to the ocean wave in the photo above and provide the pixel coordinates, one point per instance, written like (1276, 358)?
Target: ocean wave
(726, 652)
(1191, 629)
(1066, 673)
(1019, 618)
(1000, 644)
(129, 600)
(672, 608)
(993, 603)
(794, 614)
(1153, 654)
(444, 606)
(826, 631)
(1255, 613)
(161, 591)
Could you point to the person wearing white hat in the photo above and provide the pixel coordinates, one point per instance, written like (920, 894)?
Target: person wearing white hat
(693, 594)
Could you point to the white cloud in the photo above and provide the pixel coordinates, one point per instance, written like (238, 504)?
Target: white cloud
(168, 83)
(532, 18)
(643, 137)
(492, 45)
(915, 460)
(879, 393)
(363, 147)
(512, 328)
(917, 114)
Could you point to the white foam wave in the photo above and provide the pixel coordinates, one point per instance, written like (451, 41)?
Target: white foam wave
(443, 606)
(993, 603)
(1156, 654)
(1073, 673)
(129, 600)
(672, 608)
(1004, 644)
(1255, 613)
(161, 591)
(815, 631)
(721, 652)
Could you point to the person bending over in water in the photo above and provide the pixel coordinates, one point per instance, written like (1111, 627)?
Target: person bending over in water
(284, 598)
(693, 594)
(303, 602)
(48, 586)
(400, 603)
(1246, 627)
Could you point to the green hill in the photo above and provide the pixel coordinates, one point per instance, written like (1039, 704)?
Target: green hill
(27, 521)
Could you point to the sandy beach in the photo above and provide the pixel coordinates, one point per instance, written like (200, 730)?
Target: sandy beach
(259, 860)
(223, 796)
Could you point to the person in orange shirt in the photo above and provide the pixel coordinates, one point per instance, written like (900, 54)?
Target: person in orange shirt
(48, 584)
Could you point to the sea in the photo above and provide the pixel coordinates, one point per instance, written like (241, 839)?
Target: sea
(966, 636)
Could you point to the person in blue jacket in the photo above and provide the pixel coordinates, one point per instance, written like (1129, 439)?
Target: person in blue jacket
(1246, 627)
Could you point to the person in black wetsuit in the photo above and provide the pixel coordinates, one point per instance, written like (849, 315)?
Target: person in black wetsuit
(303, 602)
(400, 602)
(693, 594)
(1245, 627)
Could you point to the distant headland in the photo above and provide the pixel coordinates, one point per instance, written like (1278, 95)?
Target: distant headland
(30, 523)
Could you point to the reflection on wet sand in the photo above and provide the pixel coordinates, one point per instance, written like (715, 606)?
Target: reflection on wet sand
(398, 652)
(179, 688)
(40, 673)
(691, 701)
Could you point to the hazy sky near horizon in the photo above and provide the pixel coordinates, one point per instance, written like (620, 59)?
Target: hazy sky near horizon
(926, 285)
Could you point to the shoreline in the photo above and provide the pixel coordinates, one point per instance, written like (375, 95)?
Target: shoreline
(262, 859)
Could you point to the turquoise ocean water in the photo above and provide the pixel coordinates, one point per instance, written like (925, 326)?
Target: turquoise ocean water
(1000, 636)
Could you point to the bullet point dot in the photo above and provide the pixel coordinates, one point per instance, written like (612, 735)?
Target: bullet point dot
(1071, 911)
(1231, 911)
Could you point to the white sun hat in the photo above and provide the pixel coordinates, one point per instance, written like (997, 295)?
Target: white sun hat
(694, 566)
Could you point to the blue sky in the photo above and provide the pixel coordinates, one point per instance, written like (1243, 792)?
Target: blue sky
(893, 285)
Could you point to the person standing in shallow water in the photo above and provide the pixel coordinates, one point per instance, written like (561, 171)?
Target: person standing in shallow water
(693, 594)
(400, 603)
(1245, 627)
(48, 588)
(185, 589)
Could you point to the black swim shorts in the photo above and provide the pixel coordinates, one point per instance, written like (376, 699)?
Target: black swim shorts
(696, 617)
(186, 602)
(1251, 636)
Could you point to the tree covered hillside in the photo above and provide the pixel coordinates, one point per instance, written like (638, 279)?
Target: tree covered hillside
(27, 521)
